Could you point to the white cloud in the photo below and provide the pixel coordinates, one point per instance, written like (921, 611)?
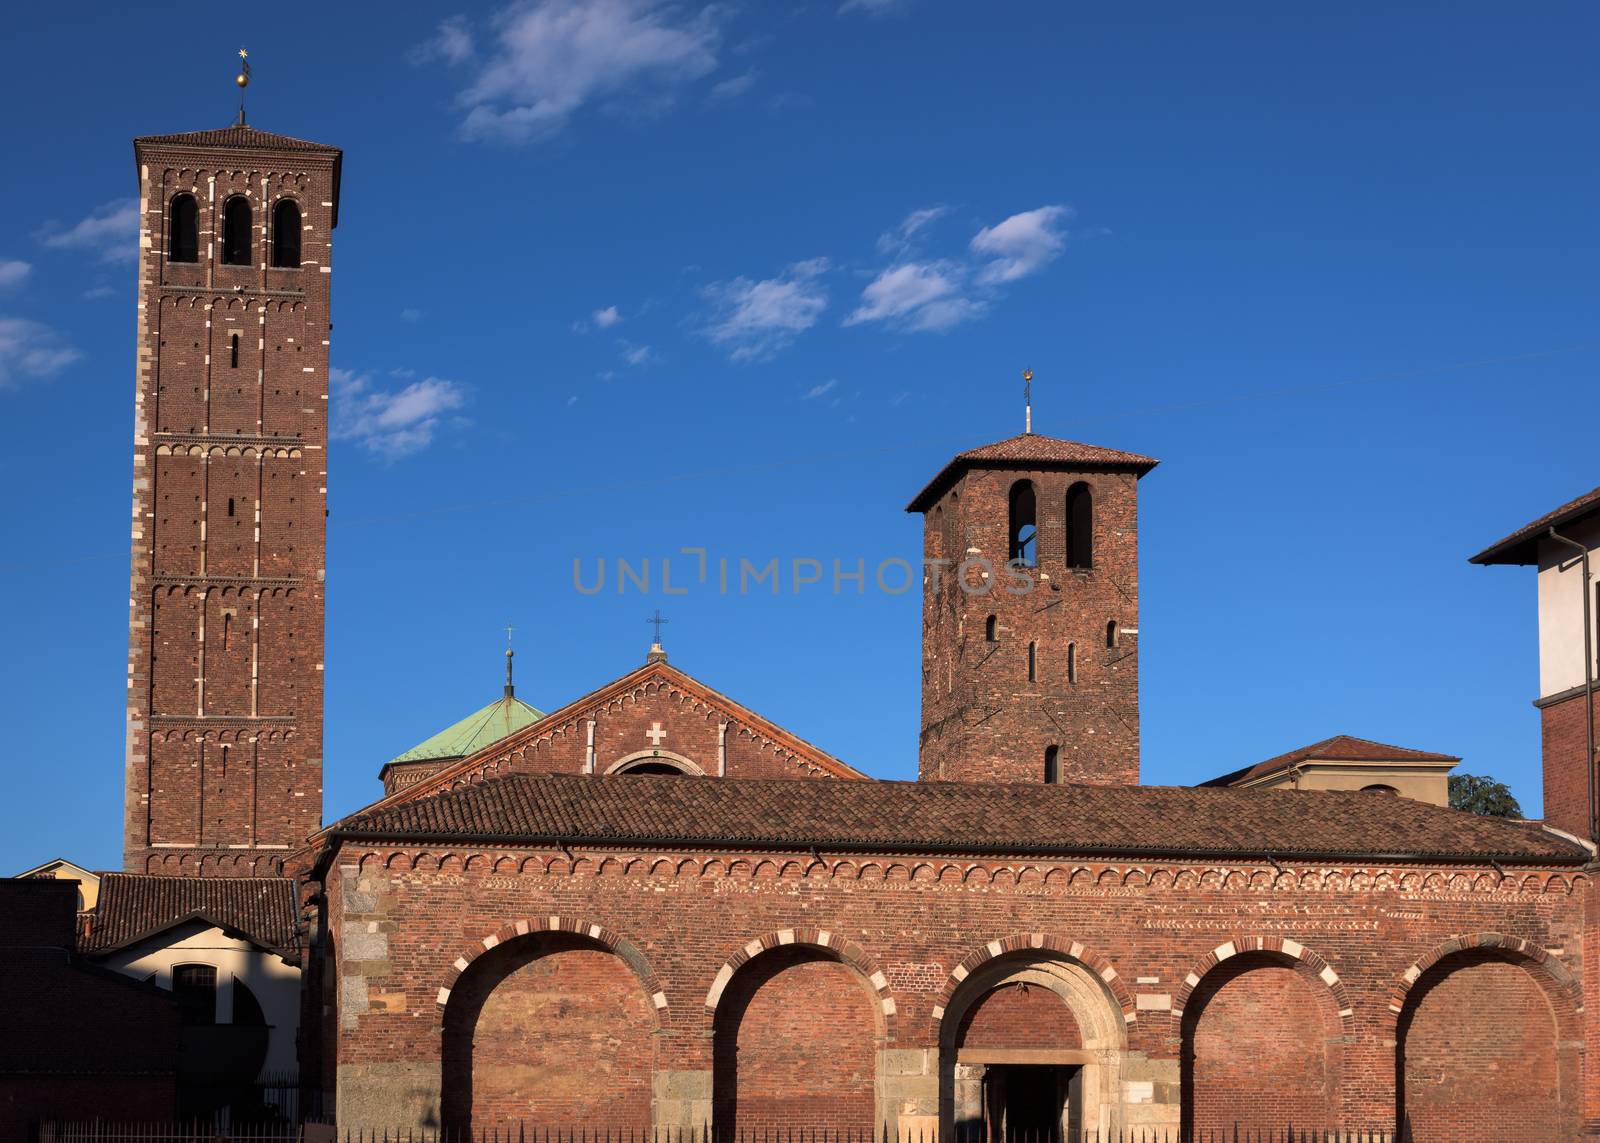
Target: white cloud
(606, 318)
(635, 354)
(94, 293)
(1021, 245)
(899, 239)
(755, 320)
(13, 272)
(734, 87)
(29, 349)
(410, 314)
(451, 42)
(551, 57)
(390, 423)
(112, 231)
(872, 7)
(821, 390)
(920, 296)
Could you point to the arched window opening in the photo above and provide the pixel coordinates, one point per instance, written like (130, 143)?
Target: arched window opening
(1052, 765)
(1379, 788)
(236, 232)
(227, 632)
(1024, 532)
(225, 750)
(230, 506)
(286, 234)
(989, 631)
(194, 987)
(1072, 662)
(1111, 633)
(1033, 662)
(1080, 526)
(233, 352)
(183, 230)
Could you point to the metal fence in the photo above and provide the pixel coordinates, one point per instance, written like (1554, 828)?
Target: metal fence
(98, 1132)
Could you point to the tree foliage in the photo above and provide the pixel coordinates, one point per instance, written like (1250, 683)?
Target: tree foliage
(1479, 794)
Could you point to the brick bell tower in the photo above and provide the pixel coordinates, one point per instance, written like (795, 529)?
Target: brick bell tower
(225, 647)
(1030, 614)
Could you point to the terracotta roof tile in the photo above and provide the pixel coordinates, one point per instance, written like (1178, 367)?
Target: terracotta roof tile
(1030, 449)
(136, 905)
(1339, 748)
(237, 138)
(950, 817)
(1521, 547)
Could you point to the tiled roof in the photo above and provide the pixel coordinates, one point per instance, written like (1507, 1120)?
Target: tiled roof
(136, 905)
(1030, 449)
(951, 817)
(479, 729)
(1522, 547)
(1339, 748)
(237, 138)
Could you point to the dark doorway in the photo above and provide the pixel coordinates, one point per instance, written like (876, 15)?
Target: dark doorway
(1031, 1103)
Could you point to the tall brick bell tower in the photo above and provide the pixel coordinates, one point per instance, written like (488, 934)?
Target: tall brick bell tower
(1030, 614)
(224, 745)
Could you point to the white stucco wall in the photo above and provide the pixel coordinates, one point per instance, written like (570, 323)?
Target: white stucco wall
(1561, 607)
(273, 981)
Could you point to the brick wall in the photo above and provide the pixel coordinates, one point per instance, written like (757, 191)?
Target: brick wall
(982, 718)
(230, 435)
(1480, 1056)
(558, 1032)
(795, 1046)
(1019, 1016)
(1564, 744)
(1263, 1049)
(909, 932)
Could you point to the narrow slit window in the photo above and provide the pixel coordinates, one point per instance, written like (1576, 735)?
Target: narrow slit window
(1024, 533)
(183, 230)
(233, 352)
(1052, 765)
(1111, 633)
(1080, 526)
(227, 634)
(989, 630)
(1072, 662)
(286, 234)
(230, 506)
(236, 232)
(1033, 662)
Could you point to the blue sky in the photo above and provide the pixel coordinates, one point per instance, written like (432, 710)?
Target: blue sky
(614, 278)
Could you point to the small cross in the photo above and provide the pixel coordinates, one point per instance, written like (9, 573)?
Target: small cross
(509, 630)
(655, 734)
(658, 621)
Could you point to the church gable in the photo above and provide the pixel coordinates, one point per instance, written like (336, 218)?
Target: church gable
(654, 720)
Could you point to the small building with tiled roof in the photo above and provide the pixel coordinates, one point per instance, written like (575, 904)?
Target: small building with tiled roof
(1347, 763)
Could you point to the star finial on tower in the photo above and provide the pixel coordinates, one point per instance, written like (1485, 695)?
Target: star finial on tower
(243, 80)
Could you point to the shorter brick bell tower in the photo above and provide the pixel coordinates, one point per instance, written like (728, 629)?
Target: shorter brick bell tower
(1030, 614)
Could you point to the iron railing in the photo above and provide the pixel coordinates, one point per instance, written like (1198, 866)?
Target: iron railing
(105, 1132)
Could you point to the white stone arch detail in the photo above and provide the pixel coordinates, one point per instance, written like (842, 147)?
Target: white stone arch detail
(656, 754)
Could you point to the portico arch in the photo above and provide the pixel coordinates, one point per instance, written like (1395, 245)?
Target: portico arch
(1038, 1016)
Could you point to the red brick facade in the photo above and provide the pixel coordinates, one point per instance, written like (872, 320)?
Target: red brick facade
(224, 740)
(1021, 660)
(1566, 776)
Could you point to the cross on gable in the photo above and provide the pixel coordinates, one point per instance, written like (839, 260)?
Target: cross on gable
(655, 734)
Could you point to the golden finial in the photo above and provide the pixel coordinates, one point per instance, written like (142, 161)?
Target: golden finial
(1027, 400)
(243, 80)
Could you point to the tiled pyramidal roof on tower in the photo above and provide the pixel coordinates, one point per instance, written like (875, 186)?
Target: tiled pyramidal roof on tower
(954, 817)
(1033, 450)
(236, 137)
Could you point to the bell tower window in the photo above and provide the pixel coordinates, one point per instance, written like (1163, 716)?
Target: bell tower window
(1111, 633)
(183, 230)
(990, 631)
(286, 234)
(1033, 662)
(1080, 526)
(1052, 765)
(236, 232)
(1024, 531)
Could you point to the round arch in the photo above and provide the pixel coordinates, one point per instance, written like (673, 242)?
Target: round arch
(578, 926)
(655, 756)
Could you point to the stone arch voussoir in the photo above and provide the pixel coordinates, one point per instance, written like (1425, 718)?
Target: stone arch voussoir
(847, 951)
(1557, 979)
(1283, 948)
(1037, 942)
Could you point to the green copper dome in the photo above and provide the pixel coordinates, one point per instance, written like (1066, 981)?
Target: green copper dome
(479, 729)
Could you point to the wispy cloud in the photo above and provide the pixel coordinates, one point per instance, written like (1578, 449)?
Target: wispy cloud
(821, 390)
(895, 242)
(13, 272)
(112, 232)
(1021, 245)
(606, 318)
(919, 296)
(31, 350)
(873, 7)
(552, 57)
(733, 87)
(755, 319)
(411, 314)
(635, 354)
(390, 423)
(451, 42)
(95, 293)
